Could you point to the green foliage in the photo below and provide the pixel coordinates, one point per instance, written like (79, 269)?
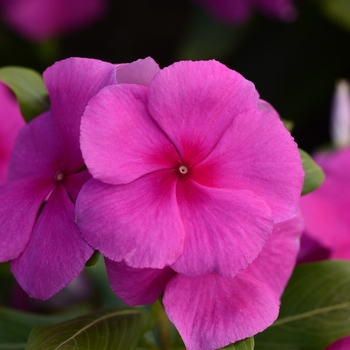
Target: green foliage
(336, 10)
(15, 327)
(314, 176)
(29, 88)
(314, 311)
(246, 344)
(108, 329)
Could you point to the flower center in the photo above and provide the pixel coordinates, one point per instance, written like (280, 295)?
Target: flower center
(183, 169)
(59, 176)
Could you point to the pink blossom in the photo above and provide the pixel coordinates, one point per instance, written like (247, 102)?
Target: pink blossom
(11, 121)
(42, 19)
(211, 311)
(37, 212)
(326, 210)
(188, 172)
(342, 344)
(239, 11)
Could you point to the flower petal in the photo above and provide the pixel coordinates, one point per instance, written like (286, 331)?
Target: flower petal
(275, 263)
(225, 229)
(195, 102)
(71, 84)
(20, 203)
(139, 222)
(257, 154)
(75, 182)
(139, 72)
(137, 286)
(56, 253)
(37, 152)
(211, 312)
(119, 140)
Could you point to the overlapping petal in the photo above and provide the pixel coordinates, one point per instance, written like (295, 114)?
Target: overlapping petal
(75, 182)
(56, 253)
(38, 151)
(71, 83)
(119, 139)
(138, 72)
(137, 286)
(139, 222)
(195, 102)
(26, 196)
(257, 153)
(211, 312)
(225, 229)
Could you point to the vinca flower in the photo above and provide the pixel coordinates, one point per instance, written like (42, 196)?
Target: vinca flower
(239, 11)
(188, 172)
(37, 211)
(43, 19)
(11, 121)
(211, 311)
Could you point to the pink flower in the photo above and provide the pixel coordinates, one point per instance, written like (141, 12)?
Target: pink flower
(326, 210)
(11, 121)
(211, 311)
(342, 344)
(188, 172)
(42, 19)
(239, 11)
(37, 212)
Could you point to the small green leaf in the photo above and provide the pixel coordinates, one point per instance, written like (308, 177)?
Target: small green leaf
(108, 329)
(314, 175)
(93, 259)
(288, 124)
(29, 88)
(315, 309)
(246, 344)
(15, 327)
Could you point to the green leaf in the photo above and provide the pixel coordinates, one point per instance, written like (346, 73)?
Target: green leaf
(337, 11)
(15, 327)
(314, 175)
(315, 309)
(29, 88)
(246, 344)
(108, 329)
(93, 259)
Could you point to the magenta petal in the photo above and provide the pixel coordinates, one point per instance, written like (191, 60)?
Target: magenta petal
(275, 263)
(56, 253)
(37, 150)
(75, 182)
(137, 286)
(257, 154)
(71, 84)
(195, 102)
(211, 312)
(119, 139)
(341, 344)
(20, 204)
(225, 229)
(11, 121)
(139, 72)
(139, 222)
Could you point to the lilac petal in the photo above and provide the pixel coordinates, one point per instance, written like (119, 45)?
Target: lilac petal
(211, 312)
(37, 151)
(56, 253)
(137, 286)
(139, 222)
(75, 182)
(275, 263)
(139, 72)
(11, 121)
(225, 229)
(195, 102)
(119, 140)
(20, 203)
(71, 84)
(257, 154)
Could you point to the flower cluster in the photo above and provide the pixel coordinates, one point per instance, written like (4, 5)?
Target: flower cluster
(192, 189)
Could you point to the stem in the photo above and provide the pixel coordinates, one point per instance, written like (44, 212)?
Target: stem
(163, 325)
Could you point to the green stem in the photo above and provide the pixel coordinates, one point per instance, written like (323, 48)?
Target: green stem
(163, 325)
